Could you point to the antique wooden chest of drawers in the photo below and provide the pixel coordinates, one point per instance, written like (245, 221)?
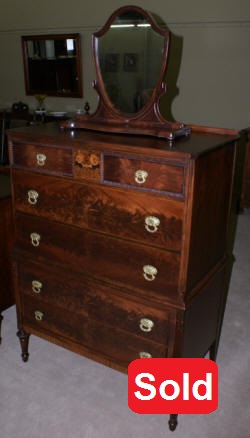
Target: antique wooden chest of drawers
(121, 241)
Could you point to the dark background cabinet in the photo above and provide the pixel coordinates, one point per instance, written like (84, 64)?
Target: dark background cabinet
(6, 239)
(245, 192)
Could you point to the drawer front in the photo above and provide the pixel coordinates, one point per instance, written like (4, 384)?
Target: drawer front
(91, 299)
(148, 269)
(115, 344)
(157, 176)
(44, 159)
(139, 216)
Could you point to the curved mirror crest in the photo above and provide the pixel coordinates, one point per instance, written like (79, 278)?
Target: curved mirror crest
(130, 60)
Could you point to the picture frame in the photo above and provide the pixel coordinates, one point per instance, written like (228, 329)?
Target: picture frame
(130, 62)
(111, 62)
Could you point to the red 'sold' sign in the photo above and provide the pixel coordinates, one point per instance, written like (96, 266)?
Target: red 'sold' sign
(165, 386)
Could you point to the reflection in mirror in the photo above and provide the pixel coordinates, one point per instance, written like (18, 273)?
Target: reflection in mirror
(52, 65)
(130, 56)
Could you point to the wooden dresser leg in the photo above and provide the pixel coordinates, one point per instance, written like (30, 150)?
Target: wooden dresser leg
(173, 422)
(213, 351)
(24, 341)
(1, 318)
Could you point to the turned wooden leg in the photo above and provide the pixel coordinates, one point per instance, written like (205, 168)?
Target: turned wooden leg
(213, 351)
(1, 318)
(173, 421)
(24, 341)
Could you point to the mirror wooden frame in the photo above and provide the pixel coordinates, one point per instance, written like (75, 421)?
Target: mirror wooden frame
(77, 91)
(148, 120)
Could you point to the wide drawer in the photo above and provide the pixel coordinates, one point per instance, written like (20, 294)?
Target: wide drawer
(91, 299)
(148, 269)
(46, 159)
(118, 345)
(143, 174)
(148, 218)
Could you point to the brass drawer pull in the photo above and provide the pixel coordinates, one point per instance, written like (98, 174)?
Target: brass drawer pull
(152, 223)
(39, 315)
(32, 197)
(146, 325)
(40, 159)
(144, 355)
(149, 272)
(141, 176)
(37, 286)
(35, 239)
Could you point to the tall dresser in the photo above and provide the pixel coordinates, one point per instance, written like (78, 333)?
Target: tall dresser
(121, 241)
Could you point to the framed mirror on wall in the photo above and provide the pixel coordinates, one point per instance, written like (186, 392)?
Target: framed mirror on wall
(52, 64)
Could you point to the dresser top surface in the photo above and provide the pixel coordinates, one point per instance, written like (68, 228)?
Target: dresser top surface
(198, 143)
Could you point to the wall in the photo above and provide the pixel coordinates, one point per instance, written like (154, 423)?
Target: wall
(213, 83)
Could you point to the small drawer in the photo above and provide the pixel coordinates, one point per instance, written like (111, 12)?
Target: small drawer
(116, 345)
(91, 299)
(44, 159)
(149, 175)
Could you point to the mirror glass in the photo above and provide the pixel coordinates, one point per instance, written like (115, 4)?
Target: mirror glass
(52, 65)
(130, 59)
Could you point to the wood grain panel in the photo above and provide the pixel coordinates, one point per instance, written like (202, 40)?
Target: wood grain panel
(211, 209)
(102, 256)
(101, 208)
(94, 300)
(162, 177)
(59, 160)
(121, 346)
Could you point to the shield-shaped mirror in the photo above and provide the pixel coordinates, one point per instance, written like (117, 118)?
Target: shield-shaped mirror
(130, 54)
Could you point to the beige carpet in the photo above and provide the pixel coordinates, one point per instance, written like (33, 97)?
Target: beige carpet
(60, 394)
